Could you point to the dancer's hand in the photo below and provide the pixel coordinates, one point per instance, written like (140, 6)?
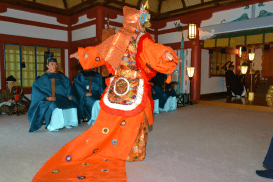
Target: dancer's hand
(51, 98)
(70, 98)
(75, 55)
(88, 94)
(168, 56)
(11, 101)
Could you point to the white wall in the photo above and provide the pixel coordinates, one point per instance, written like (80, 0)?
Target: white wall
(31, 16)
(66, 62)
(83, 19)
(213, 84)
(116, 28)
(173, 37)
(171, 25)
(257, 62)
(119, 19)
(17, 29)
(222, 22)
(84, 33)
(226, 16)
(268, 6)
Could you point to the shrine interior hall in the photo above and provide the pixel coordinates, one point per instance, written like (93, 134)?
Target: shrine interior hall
(217, 138)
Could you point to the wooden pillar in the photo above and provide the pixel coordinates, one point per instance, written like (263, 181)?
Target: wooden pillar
(63, 60)
(196, 62)
(237, 64)
(70, 73)
(156, 34)
(99, 23)
(2, 66)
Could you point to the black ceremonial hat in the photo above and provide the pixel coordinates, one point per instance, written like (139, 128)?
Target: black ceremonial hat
(231, 65)
(10, 79)
(50, 58)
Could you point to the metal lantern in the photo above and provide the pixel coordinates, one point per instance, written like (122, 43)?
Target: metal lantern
(244, 68)
(192, 31)
(190, 71)
(251, 56)
(240, 51)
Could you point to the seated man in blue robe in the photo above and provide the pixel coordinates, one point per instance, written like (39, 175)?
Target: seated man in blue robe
(155, 96)
(52, 102)
(172, 96)
(88, 87)
(164, 92)
(268, 163)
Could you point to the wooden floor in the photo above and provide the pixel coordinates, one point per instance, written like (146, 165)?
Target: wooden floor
(236, 105)
(258, 104)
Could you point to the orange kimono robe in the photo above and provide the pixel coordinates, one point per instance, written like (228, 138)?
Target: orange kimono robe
(120, 131)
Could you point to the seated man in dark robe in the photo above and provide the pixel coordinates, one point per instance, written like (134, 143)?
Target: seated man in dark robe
(155, 96)
(233, 83)
(52, 101)
(172, 96)
(160, 90)
(268, 163)
(7, 99)
(158, 82)
(88, 87)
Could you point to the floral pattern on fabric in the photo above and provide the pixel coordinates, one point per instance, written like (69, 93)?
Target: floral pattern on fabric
(126, 99)
(138, 151)
(128, 60)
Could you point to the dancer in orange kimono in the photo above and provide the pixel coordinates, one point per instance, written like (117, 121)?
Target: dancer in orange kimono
(120, 131)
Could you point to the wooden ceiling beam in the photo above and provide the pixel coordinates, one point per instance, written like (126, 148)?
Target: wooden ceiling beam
(216, 4)
(36, 6)
(80, 7)
(138, 4)
(159, 6)
(121, 3)
(192, 7)
(129, 5)
(184, 3)
(65, 4)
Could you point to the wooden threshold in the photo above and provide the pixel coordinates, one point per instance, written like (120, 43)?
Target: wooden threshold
(236, 106)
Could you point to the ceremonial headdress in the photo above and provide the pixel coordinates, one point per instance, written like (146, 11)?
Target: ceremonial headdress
(145, 16)
(113, 48)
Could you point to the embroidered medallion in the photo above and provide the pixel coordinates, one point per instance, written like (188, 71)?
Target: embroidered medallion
(85, 164)
(124, 98)
(68, 158)
(94, 151)
(114, 142)
(81, 177)
(121, 86)
(55, 171)
(105, 170)
(105, 130)
(106, 159)
(86, 56)
(123, 123)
